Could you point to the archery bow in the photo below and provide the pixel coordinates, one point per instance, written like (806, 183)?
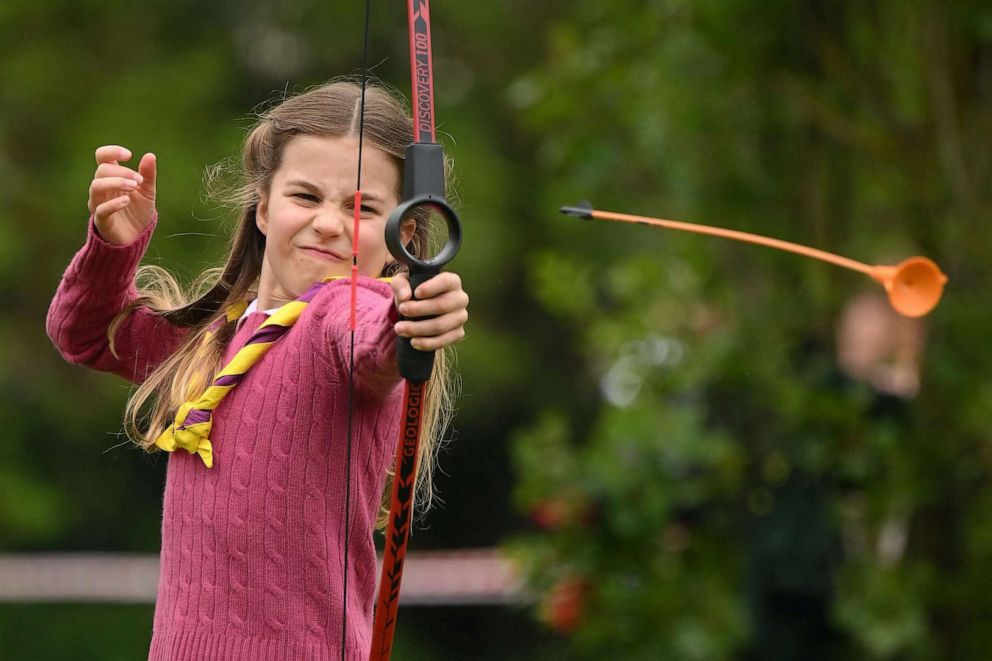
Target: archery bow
(423, 191)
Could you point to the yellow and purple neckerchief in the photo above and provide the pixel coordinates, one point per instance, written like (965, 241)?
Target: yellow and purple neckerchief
(193, 421)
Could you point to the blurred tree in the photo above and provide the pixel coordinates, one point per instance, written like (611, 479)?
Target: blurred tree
(728, 492)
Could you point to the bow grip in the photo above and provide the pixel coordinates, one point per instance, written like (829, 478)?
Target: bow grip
(415, 365)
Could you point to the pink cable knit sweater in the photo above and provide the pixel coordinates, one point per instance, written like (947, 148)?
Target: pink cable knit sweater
(252, 563)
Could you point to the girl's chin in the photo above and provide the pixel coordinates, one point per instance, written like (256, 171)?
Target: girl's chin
(312, 277)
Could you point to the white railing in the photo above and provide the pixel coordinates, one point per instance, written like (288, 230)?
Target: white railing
(459, 577)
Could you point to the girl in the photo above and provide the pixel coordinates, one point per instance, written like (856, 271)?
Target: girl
(252, 562)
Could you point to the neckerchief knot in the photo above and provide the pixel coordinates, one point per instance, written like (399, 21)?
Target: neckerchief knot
(191, 428)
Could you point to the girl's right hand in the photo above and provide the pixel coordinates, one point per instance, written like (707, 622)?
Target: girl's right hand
(121, 200)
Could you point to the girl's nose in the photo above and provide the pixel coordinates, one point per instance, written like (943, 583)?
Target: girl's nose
(331, 221)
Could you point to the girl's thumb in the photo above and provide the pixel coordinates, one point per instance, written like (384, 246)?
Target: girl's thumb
(148, 172)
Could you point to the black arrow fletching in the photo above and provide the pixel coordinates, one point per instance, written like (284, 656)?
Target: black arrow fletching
(581, 210)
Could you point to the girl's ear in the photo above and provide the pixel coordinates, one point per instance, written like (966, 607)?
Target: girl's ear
(262, 214)
(407, 229)
(406, 235)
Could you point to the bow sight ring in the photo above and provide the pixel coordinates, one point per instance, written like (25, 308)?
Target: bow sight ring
(394, 240)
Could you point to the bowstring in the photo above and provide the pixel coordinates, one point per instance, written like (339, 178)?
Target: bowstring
(352, 324)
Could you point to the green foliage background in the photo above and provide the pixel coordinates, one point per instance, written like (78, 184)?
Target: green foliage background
(731, 488)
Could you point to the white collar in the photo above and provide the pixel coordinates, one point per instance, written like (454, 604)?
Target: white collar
(253, 307)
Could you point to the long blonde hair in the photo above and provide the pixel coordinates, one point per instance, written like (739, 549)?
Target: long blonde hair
(332, 109)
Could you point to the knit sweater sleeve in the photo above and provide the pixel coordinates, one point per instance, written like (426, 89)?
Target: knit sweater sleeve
(97, 285)
(376, 370)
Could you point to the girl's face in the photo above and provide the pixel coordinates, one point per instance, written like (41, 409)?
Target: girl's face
(308, 212)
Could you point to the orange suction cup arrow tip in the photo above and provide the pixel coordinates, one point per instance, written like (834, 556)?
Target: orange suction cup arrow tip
(914, 286)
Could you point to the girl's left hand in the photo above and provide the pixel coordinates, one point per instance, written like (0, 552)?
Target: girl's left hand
(442, 298)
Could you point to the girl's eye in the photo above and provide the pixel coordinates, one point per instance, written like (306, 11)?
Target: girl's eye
(366, 209)
(307, 197)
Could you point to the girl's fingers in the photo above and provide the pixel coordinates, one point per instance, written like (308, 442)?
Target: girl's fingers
(114, 170)
(111, 207)
(401, 288)
(112, 154)
(440, 283)
(448, 301)
(102, 190)
(435, 327)
(443, 300)
(111, 185)
(438, 342)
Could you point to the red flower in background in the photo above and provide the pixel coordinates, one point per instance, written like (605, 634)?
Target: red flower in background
(563, 606)
(558, 511)
(550, 513)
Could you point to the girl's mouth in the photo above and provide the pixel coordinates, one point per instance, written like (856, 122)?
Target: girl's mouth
(322, 255)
